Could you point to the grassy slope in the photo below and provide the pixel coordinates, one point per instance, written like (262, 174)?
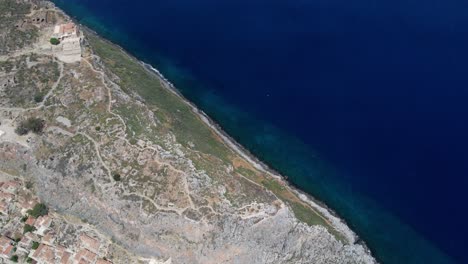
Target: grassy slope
(187, 126)
(177, 115)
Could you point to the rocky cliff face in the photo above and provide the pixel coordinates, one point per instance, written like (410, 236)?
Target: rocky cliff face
(124, 153)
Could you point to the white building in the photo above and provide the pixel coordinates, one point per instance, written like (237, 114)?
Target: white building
(69, 49)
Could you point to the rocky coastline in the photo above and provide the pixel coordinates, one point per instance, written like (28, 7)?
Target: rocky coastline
(339, 223)
(120, 149)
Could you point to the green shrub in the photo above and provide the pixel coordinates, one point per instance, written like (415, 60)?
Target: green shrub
(54, 41)
(36, 125)
(21, 130)
(33, 124)
(29, 185)
(38, 97)
(28, 228)
(14, 258)
(29, 260)
(38, 210)
(116, 177)
(35, 245)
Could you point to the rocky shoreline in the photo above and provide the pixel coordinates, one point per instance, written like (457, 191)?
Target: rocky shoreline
(338, 223)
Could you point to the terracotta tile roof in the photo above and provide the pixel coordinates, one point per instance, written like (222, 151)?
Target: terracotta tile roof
(48, 238)
(4, 207)
(42, 224)
(4, 241)
(65, 29)
(8, 250)
(64, 255)
(85, 256)
(38, 251)
(68, 28)
(90, 243)
(7, 197)
(6, 246)
(27, 204)
(43, 221)
(27, 240)
(31, 220)
(44, 254)
(10, 186)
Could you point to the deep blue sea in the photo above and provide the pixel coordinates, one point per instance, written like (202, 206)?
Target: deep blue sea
(363, 104)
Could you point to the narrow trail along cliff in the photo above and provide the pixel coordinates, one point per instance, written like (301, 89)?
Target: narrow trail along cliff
(124, 155)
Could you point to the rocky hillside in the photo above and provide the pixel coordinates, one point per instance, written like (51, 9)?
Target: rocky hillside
(119, 150)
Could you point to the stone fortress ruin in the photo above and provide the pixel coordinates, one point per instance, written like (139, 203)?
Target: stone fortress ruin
(69, 49)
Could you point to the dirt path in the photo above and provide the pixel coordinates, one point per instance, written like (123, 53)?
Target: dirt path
(49, 94)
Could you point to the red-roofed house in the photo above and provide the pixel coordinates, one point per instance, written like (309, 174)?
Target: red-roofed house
(42, 224)
(26, 204)
(6, 247)
(65, 31)
(85, 256)
(31, 220)
(10, 187)
(63, 254)
(49, 238)
(4, 207)
(25, 243)
(65, 259)
(90, 243)
(44, 254)
(6, 197)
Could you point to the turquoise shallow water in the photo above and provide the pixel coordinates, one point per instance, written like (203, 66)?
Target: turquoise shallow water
(360, 104)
